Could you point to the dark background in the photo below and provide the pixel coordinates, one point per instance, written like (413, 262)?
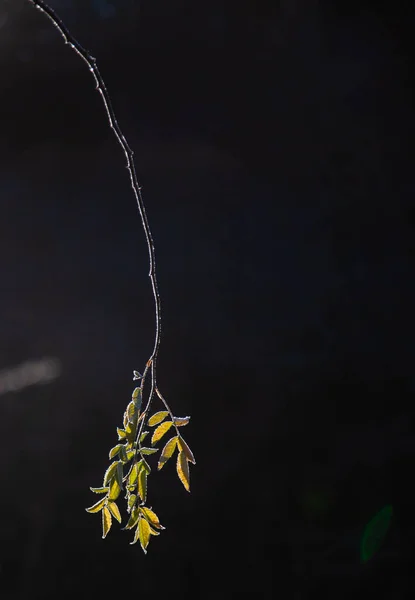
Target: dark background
(274, 144)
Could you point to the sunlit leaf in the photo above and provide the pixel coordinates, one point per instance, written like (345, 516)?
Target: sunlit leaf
(154, 532)
(131, 410)
(136, 535)
(149, 450)
(151, 517)
(157, 418)
(119, 475)
(183, 470)
(121, 434)
(125, 419)
(160, 431)
(97, 506)
(167, 452)
(101, 490)
(134, 472)
(136, 392)
(132, 521)
(131, 501)
(185, 448)
(110, 472)
(123, 453)
(114, 511)
(130, 431)
(115, 489)
(114, 451)
(181, 421)
(144, 533)
(146, 466)
(142, 484)
(106, 521)
(143, 436)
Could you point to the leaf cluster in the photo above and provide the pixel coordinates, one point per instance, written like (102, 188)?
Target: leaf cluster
(130, 470)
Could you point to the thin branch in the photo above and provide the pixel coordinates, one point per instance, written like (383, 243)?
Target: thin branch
(101, 88)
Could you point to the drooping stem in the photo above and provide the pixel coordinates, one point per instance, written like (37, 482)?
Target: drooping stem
(101, 88)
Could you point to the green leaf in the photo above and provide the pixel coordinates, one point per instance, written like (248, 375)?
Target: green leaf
(151, 517)
(167, 452)
(160, 431)
(131, 501)
(143, 436)
(115, 489)
(157, 418)
(136, 392)
(121, 434)
(114, 511)
(110, 472)
(119, 475)
(106, 522)
(146, 466)
(185, 448)
(134, 472)
(101, 490)
(132, 411)
(181, 421)
(123, 453)
(183, 470)
(132, 521)
(142, 484)
(114, 451)
(375, 532)
(136, 536)
(97, 506)
(148, 450)
(143, 533)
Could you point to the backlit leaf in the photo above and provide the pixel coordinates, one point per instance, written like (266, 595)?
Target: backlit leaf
(183, 470)
(136, 392)
(181, 421)
(132, 479)
(125, 419)
(121, 434)
(157, 418)
(160, 431)
(114, 511)
(118, 475)
(167, 452)
(151, 517)
(143, 533)
(106, 521)
(131, 410)
(148, 450)
(143, 436)
(114, 451)
(154, 532)
(115, 489)
(101, 490)
(97, 506)
(123, 453)
(132, 521)
(146, 466)
(185, 448)
(131, 501)
(110, 472)
(142, 484)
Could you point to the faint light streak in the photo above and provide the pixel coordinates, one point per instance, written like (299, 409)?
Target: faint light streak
(31, 372)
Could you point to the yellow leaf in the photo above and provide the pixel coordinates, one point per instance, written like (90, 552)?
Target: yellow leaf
(167, 452)
(115, 490)
(114, 451)
(151, 517)
(181, 421)
(136, 392)
(134, 473)
(185, 448)
(142, 484)
(183, 470)
(157, 418)
(97, 506)
(132, 521)
(106, 522)
(101, 490)
(110, 472)
(121, 433)
(114, 511)
(143, 533)
(154, 532)
(160, 431)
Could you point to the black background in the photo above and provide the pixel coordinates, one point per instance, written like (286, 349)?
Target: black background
(274, 144)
